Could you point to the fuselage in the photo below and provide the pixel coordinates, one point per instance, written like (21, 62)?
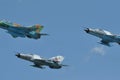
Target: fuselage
(39, 61)
(20, 31)
(104, 35)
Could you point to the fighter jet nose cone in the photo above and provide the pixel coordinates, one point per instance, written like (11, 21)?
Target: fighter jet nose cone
(87, 30)
(18, 55)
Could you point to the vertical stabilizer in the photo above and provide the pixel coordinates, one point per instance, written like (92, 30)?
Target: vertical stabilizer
(37, 28)
(57, 59)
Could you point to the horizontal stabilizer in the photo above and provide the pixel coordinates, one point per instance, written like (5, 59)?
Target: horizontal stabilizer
(65, 65)
(44, 34)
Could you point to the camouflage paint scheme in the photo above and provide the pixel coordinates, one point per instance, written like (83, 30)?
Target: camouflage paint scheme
(17, 30)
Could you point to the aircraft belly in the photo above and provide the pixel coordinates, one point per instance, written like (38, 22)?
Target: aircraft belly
(16, 34)
(47, 63)
(12, 29)
(40, 62)
(96, 34)
(104, 37)
(3, 27)
(109, 38)
(117, 40)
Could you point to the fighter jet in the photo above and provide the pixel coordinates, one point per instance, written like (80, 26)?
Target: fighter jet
(54, 62)
(17, 30)
(106, 36)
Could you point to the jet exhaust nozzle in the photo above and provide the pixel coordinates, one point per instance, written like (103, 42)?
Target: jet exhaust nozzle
(44, 34)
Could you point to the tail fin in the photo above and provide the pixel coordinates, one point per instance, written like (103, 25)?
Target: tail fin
(57, 59)
(37, 28)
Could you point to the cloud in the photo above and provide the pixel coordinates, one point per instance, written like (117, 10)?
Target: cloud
(98, 50)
